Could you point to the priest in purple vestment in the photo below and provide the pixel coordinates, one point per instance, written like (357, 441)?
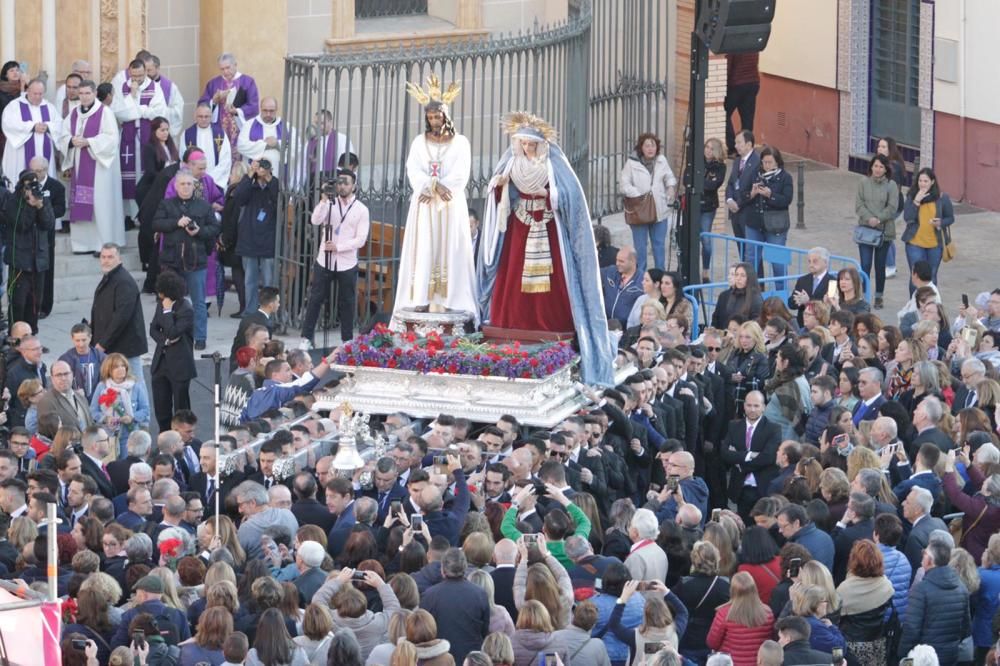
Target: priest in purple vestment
(137, 102)
(234, 98)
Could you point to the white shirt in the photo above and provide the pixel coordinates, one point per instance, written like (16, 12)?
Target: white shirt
(751, 480)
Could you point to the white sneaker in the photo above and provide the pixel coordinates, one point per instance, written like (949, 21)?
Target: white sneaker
(890, 272)
(304, 344)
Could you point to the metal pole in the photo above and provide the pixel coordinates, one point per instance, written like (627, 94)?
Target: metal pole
(52, 567)
(695, 173)
(217, 360)
(801, 196)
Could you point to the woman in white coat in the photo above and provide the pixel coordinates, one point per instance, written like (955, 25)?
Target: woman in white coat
(646, 170)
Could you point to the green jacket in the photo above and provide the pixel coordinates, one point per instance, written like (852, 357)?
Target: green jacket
(878, 199)
(558, 548)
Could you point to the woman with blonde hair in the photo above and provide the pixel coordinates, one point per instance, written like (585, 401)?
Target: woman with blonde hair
(534, 634)
(750, 363)
(22, 532)
(742, 624)
(317, 631)
(588, 505)
(500, 619)
(421, 630)
(227, 538)
(170, 596)
(498, 647)
(811, 470)
(545, 581)
(810, 602)
(718, 536)
(815, 573)
(650, 313)
(478, 549)
(701, 593)
(899, 371)
(381, 654)
(120, 404)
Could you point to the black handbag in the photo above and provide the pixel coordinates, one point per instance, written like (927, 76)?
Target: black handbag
(777, 221)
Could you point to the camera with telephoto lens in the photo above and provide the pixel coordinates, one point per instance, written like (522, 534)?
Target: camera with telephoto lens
(35, 189)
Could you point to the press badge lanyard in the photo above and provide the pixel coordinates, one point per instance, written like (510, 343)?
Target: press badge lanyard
(336, 232)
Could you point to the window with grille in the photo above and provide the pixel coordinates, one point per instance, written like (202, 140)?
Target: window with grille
(895, 70)
(376, 8)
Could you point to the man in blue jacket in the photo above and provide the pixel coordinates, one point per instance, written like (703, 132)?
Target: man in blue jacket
(622, 285)
(690, 488)
(923, 473)
(279, 388)
(794, 525)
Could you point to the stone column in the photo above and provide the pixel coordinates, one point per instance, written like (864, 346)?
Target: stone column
(343, 19)
(255, 31)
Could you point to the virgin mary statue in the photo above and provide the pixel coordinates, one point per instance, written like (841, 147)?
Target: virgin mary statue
(538, 268)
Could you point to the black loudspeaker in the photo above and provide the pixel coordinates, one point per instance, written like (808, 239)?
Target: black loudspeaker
(736, 26)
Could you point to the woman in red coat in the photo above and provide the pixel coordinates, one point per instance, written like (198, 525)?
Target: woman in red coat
(743, 624)
(759, 558)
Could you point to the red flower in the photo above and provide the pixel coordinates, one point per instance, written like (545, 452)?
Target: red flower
(397, 351)
(533, 362)
(107, 399)
(171, 547)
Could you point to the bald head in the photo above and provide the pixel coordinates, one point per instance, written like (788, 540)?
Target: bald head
(268, 109)
(505, 552)
(279, 497)
(430, 499)
(169, 442)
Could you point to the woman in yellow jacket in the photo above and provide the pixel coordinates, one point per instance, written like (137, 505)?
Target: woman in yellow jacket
(928, 214)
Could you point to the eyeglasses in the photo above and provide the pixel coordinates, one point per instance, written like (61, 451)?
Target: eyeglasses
(713, 349)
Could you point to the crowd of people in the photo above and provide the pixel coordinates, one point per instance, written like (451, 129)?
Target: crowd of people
(801, 482)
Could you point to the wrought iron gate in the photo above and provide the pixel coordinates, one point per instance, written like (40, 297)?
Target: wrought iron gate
(551, 71)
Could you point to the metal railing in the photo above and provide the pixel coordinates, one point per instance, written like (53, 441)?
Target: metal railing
(728, 250)
(597, 77)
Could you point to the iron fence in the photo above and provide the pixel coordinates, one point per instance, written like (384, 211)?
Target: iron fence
(550, 71)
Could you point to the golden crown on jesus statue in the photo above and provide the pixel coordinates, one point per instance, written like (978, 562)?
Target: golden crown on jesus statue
(434, 92)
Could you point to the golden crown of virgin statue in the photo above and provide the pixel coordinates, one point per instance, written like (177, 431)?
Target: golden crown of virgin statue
(433, 93)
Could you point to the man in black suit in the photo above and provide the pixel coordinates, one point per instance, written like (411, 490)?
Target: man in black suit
(858, 523)
(207, 483)
(741, 177)
(264, 316)
(55, 192)
(340, 502)
(751, 449)
(116, 317)
(813, 285)
(505, 557)
(173, 366)
(269, 453)
(925, 419)
(307, 509)
(385, 490)
(137, 447)
(495, 480)
(870, 390)
(96, 447)
(916, 508)
(973, 371)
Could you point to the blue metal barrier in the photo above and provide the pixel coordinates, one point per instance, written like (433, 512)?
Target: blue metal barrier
(727, 250)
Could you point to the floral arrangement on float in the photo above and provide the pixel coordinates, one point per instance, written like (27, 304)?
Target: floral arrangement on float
(468, 355)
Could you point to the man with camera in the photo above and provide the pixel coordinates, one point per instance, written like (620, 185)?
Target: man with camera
(345, 222)
(189, 229)
(257, 193)
(27, 221)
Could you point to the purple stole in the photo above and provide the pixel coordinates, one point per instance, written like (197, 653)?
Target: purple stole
(29, 147)
(165, 85)
(218, 136)
(257, 130)
(81, 185)
(330, 154)
(129, 159)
